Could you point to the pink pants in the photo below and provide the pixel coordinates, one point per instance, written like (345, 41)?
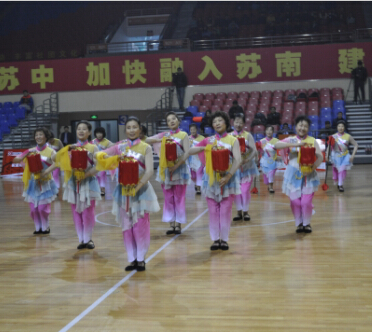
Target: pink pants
(137, 239)
(269, 178)
(302, 209)
(174, 208)
(40, 216)
(84, 222)
(56, 176)
(220, 218)
(101, 177)
(242, 201)
(197, 176)
(340, 176)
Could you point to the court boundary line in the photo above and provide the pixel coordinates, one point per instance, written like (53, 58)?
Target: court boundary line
(127, 277)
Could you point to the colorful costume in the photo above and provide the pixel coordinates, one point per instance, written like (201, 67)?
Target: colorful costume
(101, 145)
(219, 204)
(245, 173)
(81, 194)
(55, 147)
(340, 157)
(40, 193)
(174, 189)
(268, 159)
(196, 167)
(133, 215)
(300, 189)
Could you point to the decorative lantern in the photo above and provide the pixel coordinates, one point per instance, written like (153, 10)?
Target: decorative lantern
(241, 144)
(220, 161)
(307, 158)
(128, 177)
(171, 150)
(79, 162)
(35, 165)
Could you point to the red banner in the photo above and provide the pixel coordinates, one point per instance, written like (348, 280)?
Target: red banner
(8, 167)
(201, 68)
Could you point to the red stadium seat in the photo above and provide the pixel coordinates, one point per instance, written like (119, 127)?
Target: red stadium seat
(259, 129)
(226, 108)
(264, 111)
(229, 101)
(266, 99)
(300, 112)
(253, 100)
(278, 93)
(219, 102)
(221, 95)
(325, 103)
(215, 108)
(287, 112)
(266, 93)
(300, 105)
(298, 91)
(203, 108)
(210, 96)
(243, 102)
(337, 96)
(277, 99)
(198, 96)
(287, 119)
(277, 105)
(247, 127)
(310, 91)
(252, 108)
(195, 103)
(255, 94)
(289, 92)
(325, 91)
(233, 95)
(207, 102)
(288, 105)
(249, 115)
(263, 107)
(337, 90)
(313, 108)
(276, 128)
(244, 94)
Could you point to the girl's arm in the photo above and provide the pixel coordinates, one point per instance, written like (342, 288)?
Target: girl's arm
(149, 162)
(252, 146)
(110, 144)
(22, 156)
(196, 150)
(186, 148)
(284, 145)
(319, 155)
(60, 145)
(237, 158)
(355, 144)
(51, 168)
(154, 139)
(92, 171)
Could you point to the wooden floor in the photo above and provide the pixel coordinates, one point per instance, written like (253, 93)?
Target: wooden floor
(271, 279)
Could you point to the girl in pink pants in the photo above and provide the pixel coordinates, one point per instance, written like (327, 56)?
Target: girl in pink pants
(132, 212)
(40, 192)
(340, 157)
(81, 194)
(220, 194)
(297, 185)
(247, 170)
(173, 179)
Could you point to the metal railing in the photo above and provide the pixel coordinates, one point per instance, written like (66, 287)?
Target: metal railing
(149, 11)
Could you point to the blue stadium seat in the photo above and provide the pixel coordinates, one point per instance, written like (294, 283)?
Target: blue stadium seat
(8, 104)
(4, 127)
(326, 111)
(200, 114)
(339, 103)
(209, 131)
(16, 104)
(314, 119)
(20, 113)
(1, 136)
(12, 120)
(1, 105)
(258, 137)
(325, 118)
(193, 110)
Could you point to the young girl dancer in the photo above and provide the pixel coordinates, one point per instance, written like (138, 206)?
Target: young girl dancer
(173, 179)
(56, 145)
(133, 214)
(298, 186)
(340, 156)
(82, 195)
(196, 167)
(102, 143)
(268, 158)
(247, 170)
(39, 192)
(220, 195)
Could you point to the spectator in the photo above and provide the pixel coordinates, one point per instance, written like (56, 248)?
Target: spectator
(359, 75)
(285, 130)
(235, 109)
(327, 130)
(339, 118)
(180, 82)
(27, 102)
(66, 137)
(273, 118)
(205, 120)
(350, 19)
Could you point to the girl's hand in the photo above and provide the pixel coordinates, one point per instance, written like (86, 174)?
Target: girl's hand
(72, 147)
(43, 174)
(225, 179)
(301, 144)
(31, 151)
(173, 168)
(351, 159)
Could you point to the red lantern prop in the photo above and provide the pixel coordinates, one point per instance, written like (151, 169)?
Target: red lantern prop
(171, 150)
(241, 144)
(35, 165)
(307, 158)
(128, 177)
(220, 161)
(79, 163)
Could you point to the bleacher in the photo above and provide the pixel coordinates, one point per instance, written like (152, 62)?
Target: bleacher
(289, 103)
(10, 116)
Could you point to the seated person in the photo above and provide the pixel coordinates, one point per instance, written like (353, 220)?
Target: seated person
(285, 130)
(235, 109)
(273, 118)
(327, 131)
(340, 117)
(27, 102)
(205, 120)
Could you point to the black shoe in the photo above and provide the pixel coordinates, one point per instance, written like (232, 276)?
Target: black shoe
(46, 232)
(131, 267)
(341, 189)
(171, 231)
(300, 229)
(247, 217)
(224, 245)
(141, 268)
(177, 230)
(81, 246)
(216, 245)
(198, 192)
(38, 232)
(272, 191)
(238, 217)
(307, 229)
(90, 245)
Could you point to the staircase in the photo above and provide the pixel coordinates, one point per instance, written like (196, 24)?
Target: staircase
(184, 19)
(22, 137)
(359, 121)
